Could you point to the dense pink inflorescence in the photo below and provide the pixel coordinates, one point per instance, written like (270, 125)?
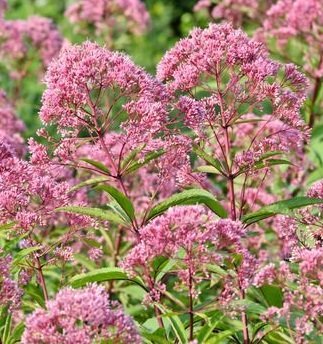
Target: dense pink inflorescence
(316, 190)
(213, 74)
(80, 316)
(29, 193)
(202, 238)
(17, 36)
(104, 14)
(233, 11)
(301, 20)
(220, 49)
(10, 293)
(45, 37)
(82, 70)
(302, 295)
(11, 126)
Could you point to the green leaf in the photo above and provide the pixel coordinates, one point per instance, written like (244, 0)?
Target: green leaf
(120, 198)
(273, 295)
(15, 337)
(176, 324)
(218, 337)
(36, 295)
(208, 158)
(149, 157)
(24, 253)
(317, 174)
(207, 169)
(188, 197)
(84, 261)
(89, 182)
(207, 329)
(6, 226)
(101, 275)
(281, 207)
(97, 164)
(271, 162)
(7, 328)
(98, 213)
(130, 157)
(265, 163)
(91, 242)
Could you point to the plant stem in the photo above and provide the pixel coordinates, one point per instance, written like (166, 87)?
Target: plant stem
(244, 318)
(191, 313)
(41, 278)
(230, 182)
(316, 92)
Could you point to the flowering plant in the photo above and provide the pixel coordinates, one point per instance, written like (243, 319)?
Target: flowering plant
(161, 209)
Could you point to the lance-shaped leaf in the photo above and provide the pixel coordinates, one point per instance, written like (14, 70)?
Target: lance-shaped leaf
(137, 164)
(97, 213)
(208, 158)
(264, 163)
(189, 197)
(97, 164)
(102, 275)
(176, 324)
(281, 207)
(130, 157)
(207, 169)
(89, 182)
(120, 198)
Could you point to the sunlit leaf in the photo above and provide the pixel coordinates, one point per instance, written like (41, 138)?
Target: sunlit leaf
(188, 197)
(281, 207)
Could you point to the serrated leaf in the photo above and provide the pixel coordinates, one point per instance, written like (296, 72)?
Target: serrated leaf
(89, 182)
(98, 213)
(97, 164)
(281, 207)
(120, 198)
(188, 197)
(101, 275)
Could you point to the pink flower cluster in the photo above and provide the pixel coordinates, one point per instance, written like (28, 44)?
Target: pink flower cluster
(11, 126)
(29, 193)
(80, 72)
(212, 75)
(10, 293)
(105, 14)
(80, 316)
(301, 294)
(298, 19)
(199, 235)
(219, 49)
(316, 190)
(233, 11)
(18, 35)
